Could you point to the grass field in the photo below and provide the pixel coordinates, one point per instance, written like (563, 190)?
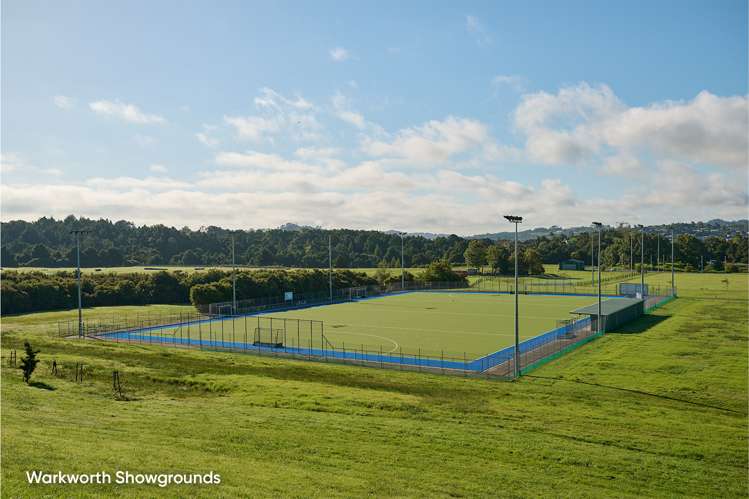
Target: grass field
(429, 323)
(658, 410)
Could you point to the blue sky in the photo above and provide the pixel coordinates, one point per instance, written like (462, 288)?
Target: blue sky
(434, 116)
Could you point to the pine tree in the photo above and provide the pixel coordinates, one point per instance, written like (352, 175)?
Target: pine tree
(29, 361)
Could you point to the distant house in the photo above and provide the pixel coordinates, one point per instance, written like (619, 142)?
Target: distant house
(572, 264)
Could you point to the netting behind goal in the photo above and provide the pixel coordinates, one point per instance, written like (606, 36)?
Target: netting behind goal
(269, 337)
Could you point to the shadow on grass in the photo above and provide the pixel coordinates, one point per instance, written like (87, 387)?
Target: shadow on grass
(641, 325)
(638, 392)
(42, 385)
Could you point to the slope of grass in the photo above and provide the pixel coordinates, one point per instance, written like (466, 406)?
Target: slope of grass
(658, 409)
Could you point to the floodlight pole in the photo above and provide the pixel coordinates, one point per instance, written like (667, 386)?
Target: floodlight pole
(78, 233)
(233, 278)
(592, 263)
(403, 267)
(642, 261)
(631, 252)
(516, 368)
(658, 252)
(330, 266)
(598, 226)
(673, 276)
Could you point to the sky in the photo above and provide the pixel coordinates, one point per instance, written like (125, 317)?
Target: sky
(432, 116)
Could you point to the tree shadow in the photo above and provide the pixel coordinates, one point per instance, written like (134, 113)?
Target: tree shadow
(640, 325)
(42, 385)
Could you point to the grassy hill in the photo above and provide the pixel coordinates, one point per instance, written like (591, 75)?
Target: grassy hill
(658, 409)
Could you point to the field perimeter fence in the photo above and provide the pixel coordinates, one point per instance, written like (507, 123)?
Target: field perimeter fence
(257, 332)
(266, 335)
(290, 301)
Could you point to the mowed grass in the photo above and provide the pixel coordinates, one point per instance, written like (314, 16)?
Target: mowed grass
(702, 285)
(658, 409)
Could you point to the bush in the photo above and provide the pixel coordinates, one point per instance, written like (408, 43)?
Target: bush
(441, 271)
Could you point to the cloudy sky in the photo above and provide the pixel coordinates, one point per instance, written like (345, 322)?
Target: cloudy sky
(433, 116)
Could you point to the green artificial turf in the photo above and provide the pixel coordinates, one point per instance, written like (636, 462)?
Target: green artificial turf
(657, 409)
(434, 324)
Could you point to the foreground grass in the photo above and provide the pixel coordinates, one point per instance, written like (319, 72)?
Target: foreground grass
(658, 409)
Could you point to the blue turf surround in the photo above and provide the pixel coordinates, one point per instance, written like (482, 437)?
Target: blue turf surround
(476, 365)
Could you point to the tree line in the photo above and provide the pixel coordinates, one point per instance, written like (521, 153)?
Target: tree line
(23, 292)
(48, 243)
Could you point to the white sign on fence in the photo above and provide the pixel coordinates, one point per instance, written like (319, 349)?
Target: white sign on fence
(288, 296)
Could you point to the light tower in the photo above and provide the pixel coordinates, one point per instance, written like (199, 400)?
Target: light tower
(78, 233)
(598, 225)
(516, 220)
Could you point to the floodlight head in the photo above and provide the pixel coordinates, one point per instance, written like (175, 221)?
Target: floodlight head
(514, 219)
(598, 224)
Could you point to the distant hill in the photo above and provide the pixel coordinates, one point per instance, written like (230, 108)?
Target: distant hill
(701, 230)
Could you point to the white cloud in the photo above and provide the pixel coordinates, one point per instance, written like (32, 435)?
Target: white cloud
(447, 175)
(624, 164)
(434, 142)
(254, 159)
(156, 168)
(10, 162)
(205, 138)
(63, 102)
(581, 123)
(708, 129)
(317, 152)
(253, 128)
(126, 112)
(342, 110)
(277, 114)
(269, 98)
(339, 54)
(149, 184)
(275, 189)
(477, 30)
(15, 164)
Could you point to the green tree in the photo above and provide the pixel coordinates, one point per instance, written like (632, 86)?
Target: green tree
(382, 275)
(440, 271)
(498, 258)
(475, 254)
(28, 361)
(533, 263)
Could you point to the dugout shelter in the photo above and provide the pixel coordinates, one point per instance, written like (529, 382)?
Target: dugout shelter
(615, 312)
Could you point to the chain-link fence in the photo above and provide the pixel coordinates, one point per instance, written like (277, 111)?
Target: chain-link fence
(265, 335)
(292, 300)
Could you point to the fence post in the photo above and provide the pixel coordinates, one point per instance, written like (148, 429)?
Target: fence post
(200, 333)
